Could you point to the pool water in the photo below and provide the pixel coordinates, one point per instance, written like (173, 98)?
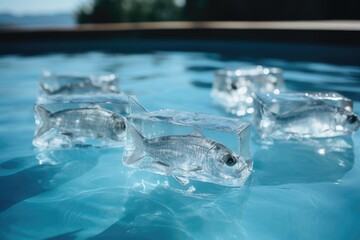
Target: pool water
(298, 190)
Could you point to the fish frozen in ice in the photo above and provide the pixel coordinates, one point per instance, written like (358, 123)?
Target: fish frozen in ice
(233, 88)
(191, 156)
(52, 84)
(285, 116)
(90, 123)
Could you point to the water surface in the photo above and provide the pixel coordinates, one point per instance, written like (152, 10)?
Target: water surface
(298, 190)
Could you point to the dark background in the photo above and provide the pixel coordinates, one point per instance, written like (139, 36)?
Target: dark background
(108, 11)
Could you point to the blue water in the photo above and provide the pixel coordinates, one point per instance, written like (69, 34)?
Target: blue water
(298, 190)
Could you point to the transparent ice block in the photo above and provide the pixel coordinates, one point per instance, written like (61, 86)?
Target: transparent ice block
(233, 88)
(51, 84)
(188, 145)
(331, 98)
(63, 121)
(304, 115)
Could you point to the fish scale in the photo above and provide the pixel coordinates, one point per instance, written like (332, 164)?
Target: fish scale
(186, 149)
(319, 119)
(87, 121)
(185, 157)
(76, 120)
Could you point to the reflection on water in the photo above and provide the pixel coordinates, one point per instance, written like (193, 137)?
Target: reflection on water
(66, 236)
(72, 163)
(24, 184)
(117, 202)
(173, 215)
(48, 170)
(57, 196)
(303, 161)
(17, 164)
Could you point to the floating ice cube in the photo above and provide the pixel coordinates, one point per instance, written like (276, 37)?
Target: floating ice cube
(80, 121)
(188, 145)
(233, 88)
(304, 115)
(51, 84)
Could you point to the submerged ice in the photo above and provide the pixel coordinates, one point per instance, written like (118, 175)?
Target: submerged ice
(298, 115)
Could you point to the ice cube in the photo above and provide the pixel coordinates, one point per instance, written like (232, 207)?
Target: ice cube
(80, 121)
(331, 98)
(233, 88)
(304, 115)
(51, 84)
(188, 145)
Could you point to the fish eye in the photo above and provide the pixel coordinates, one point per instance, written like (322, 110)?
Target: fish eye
(234, 86)
(120, 126)
(351, 119)
(230, 160)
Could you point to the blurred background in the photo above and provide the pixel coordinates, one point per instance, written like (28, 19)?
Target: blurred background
(44, 13)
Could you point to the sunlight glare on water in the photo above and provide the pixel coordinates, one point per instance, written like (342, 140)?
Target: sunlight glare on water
(298, 190)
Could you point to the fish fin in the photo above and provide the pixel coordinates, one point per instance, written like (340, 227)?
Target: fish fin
(162, 163)
(135, 107)
(197, 133)
(45, 119)
(182, 180)
(164, 166)
(138, 141)
(197, 169)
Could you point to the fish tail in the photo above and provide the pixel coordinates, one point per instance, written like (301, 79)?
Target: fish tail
(135, 107)
(138, 141)
(45, 120)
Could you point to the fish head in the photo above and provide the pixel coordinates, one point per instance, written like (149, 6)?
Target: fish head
(117, 128)
(223, 163)
(347, 122)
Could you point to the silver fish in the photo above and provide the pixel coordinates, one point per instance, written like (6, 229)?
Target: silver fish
(82, 122)
(187, 157)
(317, 120)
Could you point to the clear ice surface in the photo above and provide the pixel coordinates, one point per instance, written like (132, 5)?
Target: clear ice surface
(189, 145)
(304, 115)
(80, 121)
(233, 88)
(51, 84)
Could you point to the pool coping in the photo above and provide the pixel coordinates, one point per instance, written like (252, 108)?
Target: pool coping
(322, 32)
(335, 25)
(324, 41)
